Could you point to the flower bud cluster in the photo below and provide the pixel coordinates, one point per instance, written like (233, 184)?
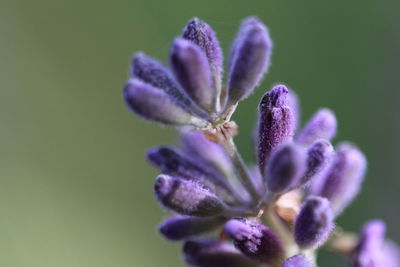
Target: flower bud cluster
(277, 213)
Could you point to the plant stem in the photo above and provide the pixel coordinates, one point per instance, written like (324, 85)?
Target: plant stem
(241, 169)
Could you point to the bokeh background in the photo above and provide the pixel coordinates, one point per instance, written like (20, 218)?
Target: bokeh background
(75, 189)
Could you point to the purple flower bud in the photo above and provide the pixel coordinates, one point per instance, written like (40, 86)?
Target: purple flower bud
(275, 123)
(187, 197)
(212, 253)
(373, 250)
(210, 153)
(250, 56)
(154, 73)
(340, 182)
(200, 33)
(192, 71)
(255, 240)
(314, 223)
(183, 227)
(321, 126)
(368, 252)
(285, 168)
(155, 104)
(318, 158)
(299, 260)
(172, 162)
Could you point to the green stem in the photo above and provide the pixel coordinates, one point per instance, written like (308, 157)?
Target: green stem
(241, 170)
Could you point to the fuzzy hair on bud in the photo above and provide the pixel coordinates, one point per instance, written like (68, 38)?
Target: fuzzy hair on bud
(250, 57)
(213, 253)
(275, 123)
(183, 227)
(341, 180)
(255, 240)
(187, 197)
(155, 104)
(318, 157)
(321, 126)
(314, 223)
(201, 34)
(192, 70)
(285, 168)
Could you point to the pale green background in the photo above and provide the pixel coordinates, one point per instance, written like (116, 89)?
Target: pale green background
(75, 189)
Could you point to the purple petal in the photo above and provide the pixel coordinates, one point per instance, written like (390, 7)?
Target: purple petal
(249, 61)
(255, 240)
(299, 260)
(192, 71)
(314, 223)
(187, 197)
(200, 33)
(275, 123)
(183, 227)
(285, 168)
(321, 126)
(212, 253)
(154, 104)
(341, 180)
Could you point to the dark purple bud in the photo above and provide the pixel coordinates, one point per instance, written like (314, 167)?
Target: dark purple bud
(314, 223)
(321, 126)
(183, 227)
(255, 240)
(212, 253)
(275, 123)
(200, 33)
(155, 104)
(285, 168)
(194, 143)
(172, 162)
(368, 252)
(340, 182)
(187, 197)
(250, 56)
(299, 260)
(154, 73)
(192, 71)
(318, 158)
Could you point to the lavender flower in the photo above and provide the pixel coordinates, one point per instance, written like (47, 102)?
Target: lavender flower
(341, 181)
(314, 223)
(187, 197)
(247, 212)
(372, 250)
(211, 253)
(193, 72)
(201, 34)
(275, 123)
(155, 104)
(255, 240)
(249, 60)
(285, 168)
(321, 125)
(184, 227)
(297, 261)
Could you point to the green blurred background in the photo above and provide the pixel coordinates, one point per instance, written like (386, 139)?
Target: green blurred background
(75, 189)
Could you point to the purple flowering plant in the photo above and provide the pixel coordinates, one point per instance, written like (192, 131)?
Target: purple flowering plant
(279, 212)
